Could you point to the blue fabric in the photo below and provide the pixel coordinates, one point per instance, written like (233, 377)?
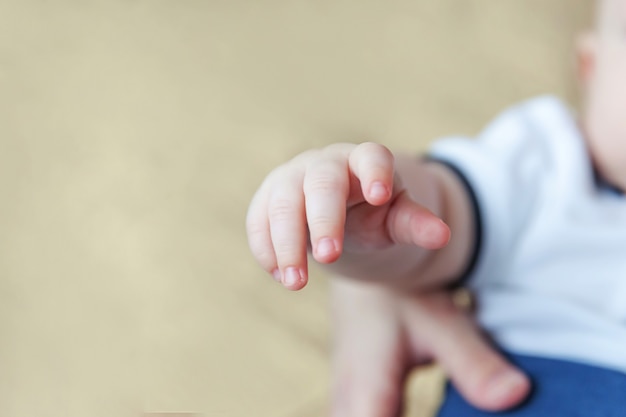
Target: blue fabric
(560, 389)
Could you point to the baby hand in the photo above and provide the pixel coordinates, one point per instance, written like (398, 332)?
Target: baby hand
(342, 199)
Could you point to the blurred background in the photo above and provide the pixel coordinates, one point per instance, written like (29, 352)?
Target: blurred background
(132, 136)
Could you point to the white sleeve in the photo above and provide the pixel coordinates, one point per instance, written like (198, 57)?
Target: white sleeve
(504, 169)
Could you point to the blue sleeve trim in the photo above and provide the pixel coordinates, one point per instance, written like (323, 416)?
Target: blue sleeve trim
(463, 279)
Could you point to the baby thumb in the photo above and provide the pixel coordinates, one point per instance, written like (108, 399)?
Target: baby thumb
(410, 223)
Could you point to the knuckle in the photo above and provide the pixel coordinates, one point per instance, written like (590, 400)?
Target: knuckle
(338, 148)
(266, 260)
(254, 227)
(276, 174)
(322, 182)
(263, 254)
(321, 224)
(303, 158)
(372, 147)
(286, 253)
(281, 209)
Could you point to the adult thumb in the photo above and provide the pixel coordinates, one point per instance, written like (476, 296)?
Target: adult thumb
(481, 374)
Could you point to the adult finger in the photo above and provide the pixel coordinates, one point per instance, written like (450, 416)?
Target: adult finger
(482, 375)
(369, 352)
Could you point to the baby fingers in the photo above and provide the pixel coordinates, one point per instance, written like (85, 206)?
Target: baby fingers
(276, 228)
(308, 198)
(373, 165)
(326, 187)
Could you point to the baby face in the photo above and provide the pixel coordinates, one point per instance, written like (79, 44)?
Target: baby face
(603, 69)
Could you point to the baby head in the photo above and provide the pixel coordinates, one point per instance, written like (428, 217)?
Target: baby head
(602, 68)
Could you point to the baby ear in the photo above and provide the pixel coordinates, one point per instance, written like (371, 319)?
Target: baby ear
(586, 50)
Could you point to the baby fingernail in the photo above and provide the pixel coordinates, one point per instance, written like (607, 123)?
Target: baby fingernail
(326, 247)
(378, 190)
(292, 277)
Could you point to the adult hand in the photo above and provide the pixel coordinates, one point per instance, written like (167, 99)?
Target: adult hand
(379, 335)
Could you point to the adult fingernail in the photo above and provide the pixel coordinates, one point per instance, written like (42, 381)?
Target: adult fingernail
(504, 385)
(292, 277)
(378, 190)
(326, 247)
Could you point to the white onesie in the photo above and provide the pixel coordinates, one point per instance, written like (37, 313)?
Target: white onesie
(550, 276)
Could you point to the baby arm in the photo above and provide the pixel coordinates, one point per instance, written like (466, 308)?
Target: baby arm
(366, 214)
